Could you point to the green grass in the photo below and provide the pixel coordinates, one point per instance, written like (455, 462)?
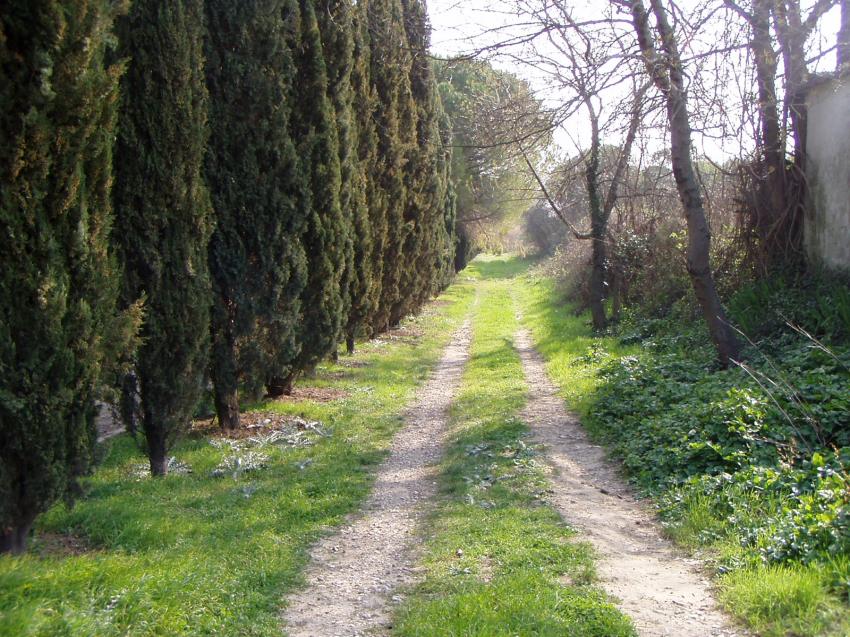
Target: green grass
(573, 355)
(499, 561)
(197, 555)
(783, 600)
(791, 600)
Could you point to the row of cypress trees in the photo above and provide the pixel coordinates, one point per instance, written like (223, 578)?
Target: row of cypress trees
(201, 189)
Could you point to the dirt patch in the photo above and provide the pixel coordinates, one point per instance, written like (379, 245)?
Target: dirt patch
(254, 423)
(334, 375)
(314, 394)
(353, 363)
(663, 593)
(355, 574)
(60, 545)
(107, 422)
(404, 334)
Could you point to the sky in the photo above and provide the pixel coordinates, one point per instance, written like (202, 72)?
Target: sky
(462, 26)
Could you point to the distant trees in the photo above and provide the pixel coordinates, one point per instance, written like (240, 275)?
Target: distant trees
(163, 214)
(59, 330)
(490, 111)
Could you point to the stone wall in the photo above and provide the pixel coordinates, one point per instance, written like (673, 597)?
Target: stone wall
(827, 227)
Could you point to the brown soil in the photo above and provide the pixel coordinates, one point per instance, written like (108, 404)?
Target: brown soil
(406, 333)
(355, 574)
(352, 363)
(60, 545)
(251, 424)
(664, 593)
(108, 425)
(314, 394)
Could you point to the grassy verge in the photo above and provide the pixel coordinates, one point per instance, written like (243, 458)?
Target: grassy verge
(745, 466)
(201, 555)
(499, 561)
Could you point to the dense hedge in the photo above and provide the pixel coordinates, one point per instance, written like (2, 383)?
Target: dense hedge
(282, 184)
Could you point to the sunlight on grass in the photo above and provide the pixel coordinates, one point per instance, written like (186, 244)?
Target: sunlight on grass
(783, 600)
(776, 600)
(498, 557)
(195, 554)
(573, 355)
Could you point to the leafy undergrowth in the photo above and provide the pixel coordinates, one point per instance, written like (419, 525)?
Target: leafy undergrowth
(213, 551)
(499, 561)
(749, 465)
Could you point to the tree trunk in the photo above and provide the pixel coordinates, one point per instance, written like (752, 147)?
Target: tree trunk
(281, 386)
(157, 451)
(792, 42)
(227, 406)
(667, 74)
(597, 278)
(129, 402)
(349, 344)
(598, 223)
(773, 187)
(225, 375)
(14, 539)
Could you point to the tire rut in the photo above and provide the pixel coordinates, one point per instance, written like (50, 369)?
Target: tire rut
(354, 573)
(663, 593)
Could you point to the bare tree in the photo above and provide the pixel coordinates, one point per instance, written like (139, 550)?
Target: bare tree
(665, 69)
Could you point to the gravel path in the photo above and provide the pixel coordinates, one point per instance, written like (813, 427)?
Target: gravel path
(354, 573)
(663, 593)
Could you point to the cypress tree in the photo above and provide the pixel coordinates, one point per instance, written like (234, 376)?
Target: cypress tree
(450, 235)
(163, 211)
(327, 230)
(395, 123)
(59, 329)
(256, 259)
(424, 211)
(336, 26)
(363, 286)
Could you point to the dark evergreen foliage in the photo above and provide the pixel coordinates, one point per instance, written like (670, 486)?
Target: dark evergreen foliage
(426, 175)
(257, 263)
(326, 238)
(363, 286)
(336, 26)
(59, 328)
(163, 214)
(395, 122)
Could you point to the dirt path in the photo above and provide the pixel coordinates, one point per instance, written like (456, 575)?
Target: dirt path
(663, 593)
(353, 574)
(108, 426)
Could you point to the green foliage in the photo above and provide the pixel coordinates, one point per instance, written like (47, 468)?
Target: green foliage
(163, 213)
(59, 331)
(722, 435)
(818, 302)
(336, 23)
(365, 279)
(202, 555)
(395, 123)
(486, 173)
(256, 259)
(327, 233)
(425, 176)
(752, 461)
